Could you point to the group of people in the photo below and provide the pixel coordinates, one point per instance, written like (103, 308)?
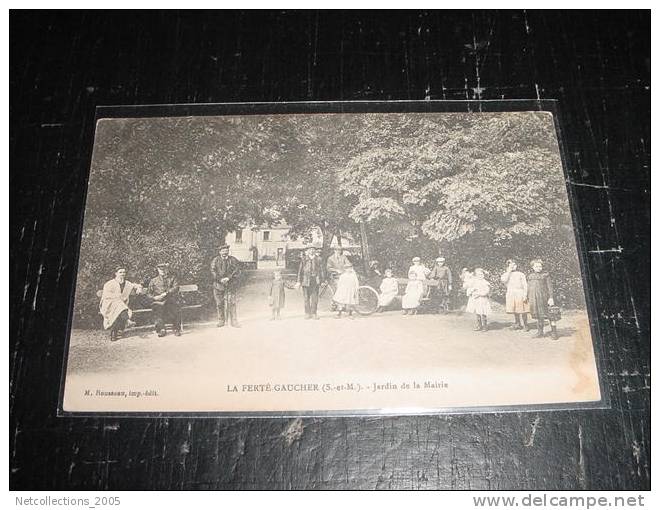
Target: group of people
(165, 298)
(338, 268)
(526, 294)
(162, 291)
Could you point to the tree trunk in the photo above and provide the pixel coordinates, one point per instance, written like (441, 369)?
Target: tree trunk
(327, 241)
(364, 242)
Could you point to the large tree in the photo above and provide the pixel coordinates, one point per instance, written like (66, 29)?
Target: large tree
(479, 186)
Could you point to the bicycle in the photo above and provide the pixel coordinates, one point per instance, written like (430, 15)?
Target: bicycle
(367, 295)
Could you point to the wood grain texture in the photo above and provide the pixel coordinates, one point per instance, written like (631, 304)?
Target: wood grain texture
(64, 64)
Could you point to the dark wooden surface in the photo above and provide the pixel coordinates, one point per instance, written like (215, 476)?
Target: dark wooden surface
(63, 65)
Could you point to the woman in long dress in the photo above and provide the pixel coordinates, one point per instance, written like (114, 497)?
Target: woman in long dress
(346, 295)
(516, 294)
(413, 295)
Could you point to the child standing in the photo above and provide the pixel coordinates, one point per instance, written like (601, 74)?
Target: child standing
(413, 296)
(540, 298)
(347, 291)
(442, 274)
(478, 290)
(516, 294)
(276, 295)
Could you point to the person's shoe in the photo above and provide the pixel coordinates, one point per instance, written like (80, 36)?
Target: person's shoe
(235, 325)
(220, 324)
(113, 336)
(315, 317)
(477, 324)
(526, 328)
(539, 334)
(555, 336)
(405, 312)
(177, 332)
(272, 318)
(161, 333)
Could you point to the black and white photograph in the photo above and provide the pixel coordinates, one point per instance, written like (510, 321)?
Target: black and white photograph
(333, 262)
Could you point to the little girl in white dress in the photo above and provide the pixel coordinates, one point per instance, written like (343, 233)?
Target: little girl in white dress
(413, 296)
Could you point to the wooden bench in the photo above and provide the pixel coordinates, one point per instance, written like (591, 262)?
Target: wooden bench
(184, 290)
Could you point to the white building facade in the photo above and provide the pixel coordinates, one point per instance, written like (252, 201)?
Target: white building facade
(270, 243)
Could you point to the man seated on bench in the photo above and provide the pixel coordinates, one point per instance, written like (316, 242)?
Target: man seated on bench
(166, 305)
(114, 303)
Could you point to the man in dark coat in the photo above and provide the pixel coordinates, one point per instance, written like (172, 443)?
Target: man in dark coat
(310, 276)
(166, 303)
(226, 271)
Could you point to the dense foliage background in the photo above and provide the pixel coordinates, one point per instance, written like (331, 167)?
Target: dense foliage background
(479, 188)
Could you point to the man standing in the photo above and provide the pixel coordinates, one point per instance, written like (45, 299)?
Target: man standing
(166, 304)
(310, 276)
(114, 303)
(226, 271)
(442, 274)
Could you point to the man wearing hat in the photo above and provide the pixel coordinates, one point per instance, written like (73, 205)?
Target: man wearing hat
(226, 271)
(166, 304)
(310, 276)
(442, 274)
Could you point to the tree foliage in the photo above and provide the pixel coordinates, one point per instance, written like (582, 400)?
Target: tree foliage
(481, 187)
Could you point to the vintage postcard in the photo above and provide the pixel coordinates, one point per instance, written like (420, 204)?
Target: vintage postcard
(328, 262)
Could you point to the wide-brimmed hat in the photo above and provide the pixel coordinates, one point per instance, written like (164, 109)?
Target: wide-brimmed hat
(416, 259)
(440, 259)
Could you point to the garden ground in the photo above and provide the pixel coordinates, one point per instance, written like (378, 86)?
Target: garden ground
(383, 361)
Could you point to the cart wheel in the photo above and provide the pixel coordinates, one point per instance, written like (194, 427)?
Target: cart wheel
(367, 300)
